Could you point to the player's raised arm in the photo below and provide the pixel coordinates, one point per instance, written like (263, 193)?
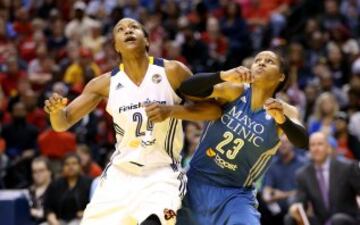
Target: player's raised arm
(63, 116)
(225, 85)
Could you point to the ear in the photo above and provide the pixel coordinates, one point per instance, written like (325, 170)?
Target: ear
(282, 78)
(147, 43)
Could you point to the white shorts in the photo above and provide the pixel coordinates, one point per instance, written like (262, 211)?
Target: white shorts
(122, 198)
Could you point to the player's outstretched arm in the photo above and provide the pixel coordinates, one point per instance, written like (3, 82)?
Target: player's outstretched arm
(63, 116)
(198, 111)
(225, 85)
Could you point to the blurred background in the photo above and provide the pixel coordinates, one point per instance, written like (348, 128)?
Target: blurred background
(59, 45)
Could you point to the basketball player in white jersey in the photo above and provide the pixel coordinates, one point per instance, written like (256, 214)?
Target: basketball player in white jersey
(142, 183)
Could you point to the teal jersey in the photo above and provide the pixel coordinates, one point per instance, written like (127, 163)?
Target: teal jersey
(236, 149)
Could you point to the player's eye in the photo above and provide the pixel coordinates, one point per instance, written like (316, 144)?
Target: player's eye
(120, 29)
(270, 61)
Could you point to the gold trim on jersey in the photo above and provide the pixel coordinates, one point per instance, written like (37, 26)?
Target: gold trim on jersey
(260, 164)
(151, 62)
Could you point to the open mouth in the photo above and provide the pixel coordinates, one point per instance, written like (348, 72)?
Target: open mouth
(130, 39)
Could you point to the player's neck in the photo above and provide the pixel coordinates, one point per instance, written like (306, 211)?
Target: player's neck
(135, 66)
(259, 96)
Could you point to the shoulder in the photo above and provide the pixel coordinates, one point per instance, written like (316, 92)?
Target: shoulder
(173, 67)
(99, 85)
(176, 72)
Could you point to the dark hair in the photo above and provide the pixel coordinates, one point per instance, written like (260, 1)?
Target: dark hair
(84, 148)
(42, 159)
(71, 155)
(283, 70)
(146, 35)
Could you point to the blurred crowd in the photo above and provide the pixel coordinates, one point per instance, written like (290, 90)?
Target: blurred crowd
(51, 46)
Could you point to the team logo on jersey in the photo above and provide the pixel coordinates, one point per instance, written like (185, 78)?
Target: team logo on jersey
(156, 78)
(243, 99)
(268, 117)
(169, 214)
(118, 86)
(211, 153)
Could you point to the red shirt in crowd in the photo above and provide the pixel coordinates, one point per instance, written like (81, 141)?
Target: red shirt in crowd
(56, 144)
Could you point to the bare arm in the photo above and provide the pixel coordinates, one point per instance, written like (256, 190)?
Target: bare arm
(62, 117)
(177, 73)
(52, 219)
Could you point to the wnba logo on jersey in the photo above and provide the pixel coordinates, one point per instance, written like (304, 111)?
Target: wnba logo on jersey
(211, 153)
(156, 78)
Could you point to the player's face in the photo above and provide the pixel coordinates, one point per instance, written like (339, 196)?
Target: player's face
(129, 36)
(266, 69)
(319, 148)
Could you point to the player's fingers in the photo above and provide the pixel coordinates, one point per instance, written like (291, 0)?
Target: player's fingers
(53, 100)
(64, 101)
(275, 106)
(269, 101)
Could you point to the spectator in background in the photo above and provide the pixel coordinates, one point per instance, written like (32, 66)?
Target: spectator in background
(67, 196)
(41, 68)
(325, 110)
(234, 27)
(194, 50)
(4, 161)
(20, 138)
(348, 144)
(35, 115)
(332, 16)
(327, 85)
(55, 145)
(79, 73)
(12, 76)
(216, 42)
(192, 139)
(338, 65)
(279, 182)
(57, 41)
(89, 167)
(327, 188)
(94, 41)
(41, 175)
(80, 25)
(297, 65)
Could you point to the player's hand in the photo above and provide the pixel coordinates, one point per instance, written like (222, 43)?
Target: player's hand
(275, 109)
(157, 112)
(239, 74)
(55, 103)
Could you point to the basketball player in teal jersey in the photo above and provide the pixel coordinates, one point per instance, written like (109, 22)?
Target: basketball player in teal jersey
(236, 149)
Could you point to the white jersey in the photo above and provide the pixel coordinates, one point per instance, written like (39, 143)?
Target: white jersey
(142, 145)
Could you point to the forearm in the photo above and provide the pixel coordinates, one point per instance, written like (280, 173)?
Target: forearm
(296, 133)
(199, 111)
(201, 84)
